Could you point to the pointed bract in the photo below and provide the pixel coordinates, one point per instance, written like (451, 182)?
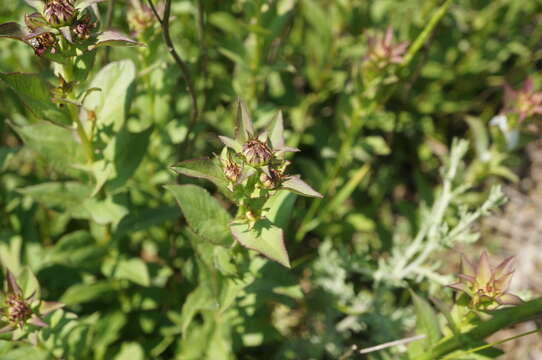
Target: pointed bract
(245, 128)
(295, 184)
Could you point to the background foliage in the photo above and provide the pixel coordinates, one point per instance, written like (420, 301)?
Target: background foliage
(110, 242)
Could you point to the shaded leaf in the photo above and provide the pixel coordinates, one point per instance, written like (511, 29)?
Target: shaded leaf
(206, 217)
(34, 93)
(265, 238)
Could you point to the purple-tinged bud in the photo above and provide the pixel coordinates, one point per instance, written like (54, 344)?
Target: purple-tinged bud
(59, 13)
(43, 42)
(270, 179)
(257, 153)
(82, 28)
(232, 171)
(18, 310)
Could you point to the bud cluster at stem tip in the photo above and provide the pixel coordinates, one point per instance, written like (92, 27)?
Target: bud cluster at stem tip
(486, 286)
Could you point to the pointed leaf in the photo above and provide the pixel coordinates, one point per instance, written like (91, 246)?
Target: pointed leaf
(37, 321)
(245, 128)
(110, 104)
(34, 93)
(505, 267)
(295, 184)
(483, 270)
(467, 267)
(13, 30)
(83, 4)
(509, 299)
(231, 143)
(36, 4)
(13, 287)
(57, 145)
(206, 217)
(279, 208)
(277, 131)
(113, 38)
(265, 238)
(208, 169)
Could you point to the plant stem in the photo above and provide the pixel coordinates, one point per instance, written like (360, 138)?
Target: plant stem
(500, 320)
(185, 71)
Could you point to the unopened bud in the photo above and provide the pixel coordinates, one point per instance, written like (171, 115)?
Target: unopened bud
(18, 310)
(232, 171)
(59, 13)
(271, 179)
(81, 28)
(43, 42)
(257, 153)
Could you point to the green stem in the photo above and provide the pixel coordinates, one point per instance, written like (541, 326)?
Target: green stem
(500, 320)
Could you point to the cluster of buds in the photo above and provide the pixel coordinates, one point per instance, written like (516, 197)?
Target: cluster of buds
(57, 25)
(252, 159)
(254, 165)
(16, 311)
(486, 286)
(382, 51)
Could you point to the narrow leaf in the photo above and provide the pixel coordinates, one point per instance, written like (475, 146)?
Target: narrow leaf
(113, 38)
(245, 128)
(298, 186)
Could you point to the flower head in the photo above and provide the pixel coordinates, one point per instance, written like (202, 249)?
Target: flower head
(524, 102)
(16, 310)
(383, 52)
(486, 286)
(59, 13)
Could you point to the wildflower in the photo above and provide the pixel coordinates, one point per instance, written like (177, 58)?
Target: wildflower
(17, 311)
(59, 13)
(524, 102)
(486, 286)
(383, 52)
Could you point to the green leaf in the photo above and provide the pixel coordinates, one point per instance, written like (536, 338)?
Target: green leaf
(134, 270)
(245, 128)
(62, 196)
(77, 249)
(298, 186)
(82, 293)
(130, 351)
(206, 217)
(34, 93)
(126, 151)
(137, 221)
(265, 238)
(113, 38)
(110, 103)
(55, 144)
(208, 169)
(28, 283)
(12, 30)
(280, 206)
(427, 321)
(107, 211)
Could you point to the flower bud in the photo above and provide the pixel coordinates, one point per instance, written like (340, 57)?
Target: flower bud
(232, 171)
(59, 13)
(18, 311)
(257, 153)
(43, 42)
(81, 28)
(270, 179)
